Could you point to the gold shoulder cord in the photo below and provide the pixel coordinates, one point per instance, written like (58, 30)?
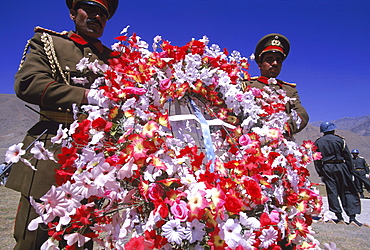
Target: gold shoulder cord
(24, 54)
(50, 53)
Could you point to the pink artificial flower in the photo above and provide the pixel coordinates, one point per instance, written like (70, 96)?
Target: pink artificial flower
(274, 217)
(180, 210)
(256, 92)
(155, 192)
(245, 140)
(165, 84)
(316, 156)
(197, 201)
(134, 90)
(150, 128)
(239, 97)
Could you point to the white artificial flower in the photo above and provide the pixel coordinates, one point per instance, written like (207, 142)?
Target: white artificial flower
(204, 40)
(79, 80)
(60, 136)
(268, 237)
(249, 222)
(127, 170)
(40, 152)
(76, 237)
(173, 231)
(194, 231)
(50, 244)
(82, 64)
(248, 240)
(72, 195)
(125, 30)
(14, 153)
(231, 232)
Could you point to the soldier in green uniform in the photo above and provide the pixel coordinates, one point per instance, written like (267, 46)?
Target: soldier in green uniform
(269, 54)
(45, 78)
(336, 170)
(361, 172)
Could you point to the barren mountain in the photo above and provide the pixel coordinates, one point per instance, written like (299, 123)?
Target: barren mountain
(16, 119)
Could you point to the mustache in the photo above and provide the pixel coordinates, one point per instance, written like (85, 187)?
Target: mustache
(94, 20)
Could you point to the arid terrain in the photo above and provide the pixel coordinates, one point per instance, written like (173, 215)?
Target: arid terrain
(16, 119)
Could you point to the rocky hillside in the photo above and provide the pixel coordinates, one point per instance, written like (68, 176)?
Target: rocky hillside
(358, 125)
(16, 119)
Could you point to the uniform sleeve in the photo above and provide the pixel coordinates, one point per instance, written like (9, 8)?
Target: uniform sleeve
(348, 158)
(35, 84)
(301, 112)
(318, 163)
(366, 166)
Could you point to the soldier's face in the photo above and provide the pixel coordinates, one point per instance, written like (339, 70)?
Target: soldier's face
(90, 21)
(270, 65)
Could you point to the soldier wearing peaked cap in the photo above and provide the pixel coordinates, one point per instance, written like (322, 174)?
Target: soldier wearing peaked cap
(48, 77)
(269, 54)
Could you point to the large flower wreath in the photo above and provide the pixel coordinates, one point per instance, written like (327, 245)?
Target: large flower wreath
(175, 155)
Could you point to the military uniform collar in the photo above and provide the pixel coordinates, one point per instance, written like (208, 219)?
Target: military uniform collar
(80, 40)
(265, 80)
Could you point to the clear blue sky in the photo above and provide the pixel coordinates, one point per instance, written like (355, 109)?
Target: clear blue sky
(330, 40)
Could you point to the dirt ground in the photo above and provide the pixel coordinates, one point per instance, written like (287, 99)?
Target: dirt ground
(346, 237)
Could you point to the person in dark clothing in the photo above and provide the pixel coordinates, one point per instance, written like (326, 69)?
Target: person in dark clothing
(336, 170)
(361, 172)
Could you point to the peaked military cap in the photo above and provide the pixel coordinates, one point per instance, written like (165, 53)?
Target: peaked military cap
(110, 6)
(272, 43)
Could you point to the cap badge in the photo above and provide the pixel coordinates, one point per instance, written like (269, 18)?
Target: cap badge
(275, 42)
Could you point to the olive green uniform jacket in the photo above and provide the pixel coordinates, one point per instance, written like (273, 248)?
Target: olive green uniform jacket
(45, 78)
(291, 91)
(54, 92)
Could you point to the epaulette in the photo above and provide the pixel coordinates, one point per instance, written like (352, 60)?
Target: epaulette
(40, 29)
(340, 136)
(254, 77)
(288, 83)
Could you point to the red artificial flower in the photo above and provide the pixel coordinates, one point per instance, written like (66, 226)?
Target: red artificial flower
(254, 190)
(136, 243)
(101, 124)
(233, 204)
(215, 241)
(67, 154)
(300, 226)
